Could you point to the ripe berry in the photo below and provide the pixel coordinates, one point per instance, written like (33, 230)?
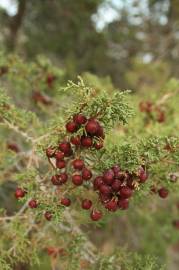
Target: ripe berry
(163, 192)
(105, 197)
(50, 152)
(13, 147)
(98, 145)
(97, 182)
(59, 155)
(55, 180)
(86, 174)
(79, 119)
(96, 215)
(65, 147)
(92, 127)
(86, 204)
(105, 189)
(60, 164)
(142, 175)
(48, 215)
(123, 204)
(33, 203)
(71, 127)
(100, 133)
(116, 185)
(76, 140)
(78, 164)
(19, 193)
(77, 179)
(108, 177)
(66, 201)
(86, 141)
(125, 192)
(112, 205)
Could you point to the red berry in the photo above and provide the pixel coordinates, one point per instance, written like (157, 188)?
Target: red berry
(33, 203)
(50, 152)
(48, 215)
(77, 179)
(59, 155)
(19, 193)
(86, 141)
(66, 201)
(98, 145)
(125, 192)
(71, 127)
(97, 182)
(96, 215)
(79, 119)
(142, 175)
(163, 192)
(123, 204)
(86, 204)
(78, 164)
(55, 180)
(13, 147)
(105, 197)
(108, 177)
(86, 174)
(92, 127)
(76, 140)
(116, 185)
(105, 189)
(60, 164)
(65, 147)
(111, 205)
(100, 133)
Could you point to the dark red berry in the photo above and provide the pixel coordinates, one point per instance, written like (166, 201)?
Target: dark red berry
(131, 183)
(98, 145)
(86, 174)
(96, 215)
(105, 189)
(76, 140)
(50, 152)
(97, 182)
(86, 204)
(33, 203)
(60, 164)
(79, 119)
(125, 192)
(176, 224)
(142, 175)
(116, 185)
(77, 179)
(163, 192)
(153, 189)
(111, 205)
(19, 193)
(55, 180)
(66, 201)
(78, 164)
(71, 127)
(108, 177)
(48, 215)
(13, 147)
(100, 133)
(104, 198)
(86, 141)
(65, 147)
(123, 204)
(59, 155)
(92, 127)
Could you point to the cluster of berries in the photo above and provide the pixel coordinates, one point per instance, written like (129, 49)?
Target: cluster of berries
(153, 112)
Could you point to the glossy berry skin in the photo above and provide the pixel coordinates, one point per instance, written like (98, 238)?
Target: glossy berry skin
(76, 140)
(63, 177)
(48, 215)
(108, 177)
(105, 189)
(66, 201)
(98, 145)
(123, 204)
(96, 215)
(50, 152)
(71, 127)
(77, 179)
(65, 147)
(86, 174)
(97, 182)
(86, 204)
(112, 205)
(79, 119)
(163, 192)
(60, 164)
(19, 193)
(33, 203)
(92, 127)
(125, 192)
(78, 164)
(116, 185)
(59, 155)
(86, 142)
